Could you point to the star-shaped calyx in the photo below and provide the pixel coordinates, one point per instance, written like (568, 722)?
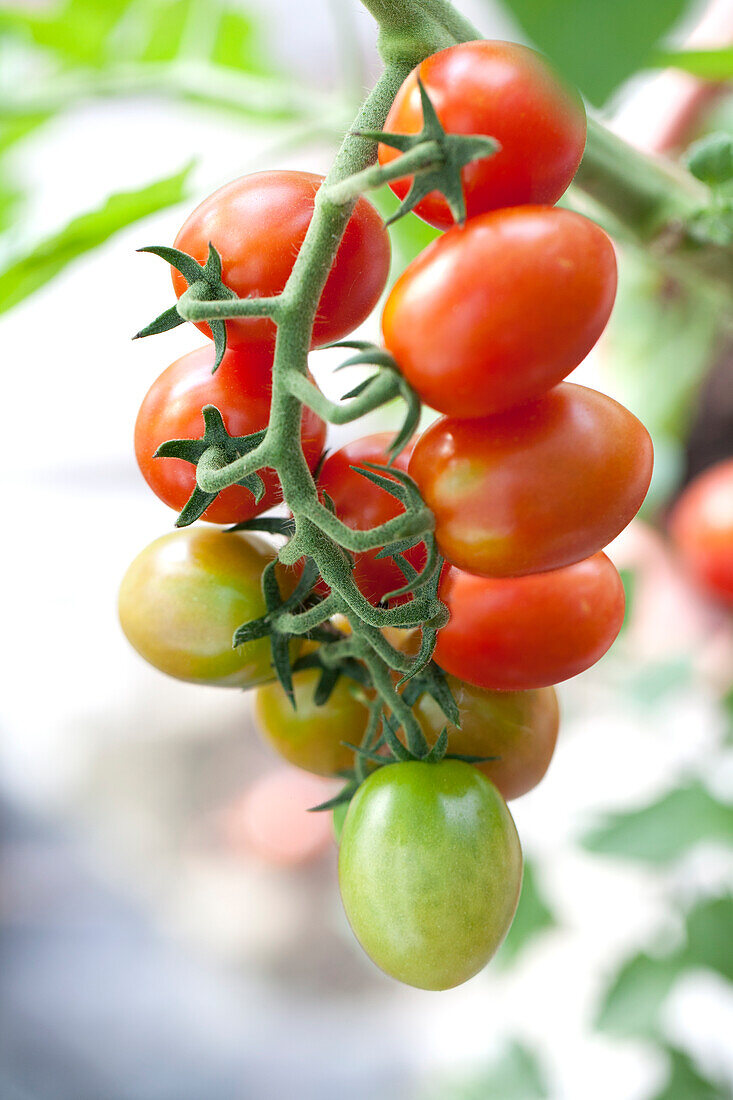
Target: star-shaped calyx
(455, 151)
(230, 447)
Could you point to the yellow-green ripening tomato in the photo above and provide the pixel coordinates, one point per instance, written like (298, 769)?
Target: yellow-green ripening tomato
(184, 596)
(430, 870)
(311, 736)
(518, 727)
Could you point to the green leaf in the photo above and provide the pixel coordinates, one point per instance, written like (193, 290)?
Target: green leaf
(239, 43)
(76, 30)
(632, 1004)
(533, 917)
(597, 45)
(666, 829)
(711, 159)
(686, 1083)
(32, 271)
(515, 1074)
(707, 64)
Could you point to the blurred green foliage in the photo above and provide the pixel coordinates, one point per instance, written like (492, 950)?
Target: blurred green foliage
(533, 917)
(598, 44)
(515, 1074)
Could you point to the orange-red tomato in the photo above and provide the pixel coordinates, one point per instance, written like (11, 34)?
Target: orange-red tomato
(495, 313)
(534, 488)
(701, 526)
(518, 728)
(241, 391)
(508, 92)
(514, 634)
(361, 505)
(257, 225)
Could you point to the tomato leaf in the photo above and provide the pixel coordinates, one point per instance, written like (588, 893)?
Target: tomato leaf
(30, 272)
(516, 1074)
(685, 1082)
(666, 829)
(597, 45)
(707, 64)
(533, 917)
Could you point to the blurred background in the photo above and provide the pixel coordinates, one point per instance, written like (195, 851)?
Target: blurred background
(170, 924)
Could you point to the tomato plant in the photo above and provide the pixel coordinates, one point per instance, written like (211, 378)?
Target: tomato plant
(241, 389)
(257, 224)
(518, 728)
(514, 634)
(183, 597)
(508, 92)
(311, 735)
(430, 869)
(361, 505)
(496, 312)
(701, 525)
(534, 488)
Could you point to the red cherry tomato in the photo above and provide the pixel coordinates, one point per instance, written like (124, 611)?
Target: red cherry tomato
(529, 632)
(701, 525)
(241, 391)
(257, 225)
(534, 488)
(360, 505)
(508, 92)
(495, 313)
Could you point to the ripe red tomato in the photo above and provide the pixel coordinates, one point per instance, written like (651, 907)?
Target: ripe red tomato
(513, 634)
(505, 91)
(257, 225)
(241, 391)
(536, 487)
(360, 505)
(701, 526)
(495, 313)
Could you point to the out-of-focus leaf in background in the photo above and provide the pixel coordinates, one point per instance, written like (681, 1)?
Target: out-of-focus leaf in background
(597, 44)
(707, 64)
(514, 1075)
(409, 235)
(30, 272)
(666, 829)
(76, 30)
(686, 1083)
(633, 1003)
(533, 917)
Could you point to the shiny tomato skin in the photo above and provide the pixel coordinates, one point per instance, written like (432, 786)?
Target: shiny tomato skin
(495, 313)
(519, 728)
(241, 391)
(183, 597)
(361, 504)
(430, 869)
(523, 633)
(505, 91)
(257, 225)
(311, 736)
(534, 488)
(701, 525)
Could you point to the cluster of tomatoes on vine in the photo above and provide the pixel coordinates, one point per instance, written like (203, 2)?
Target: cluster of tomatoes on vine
(528, 478)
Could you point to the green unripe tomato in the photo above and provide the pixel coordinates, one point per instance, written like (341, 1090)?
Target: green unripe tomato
(430, 869)
(184, 596)
(311, 736)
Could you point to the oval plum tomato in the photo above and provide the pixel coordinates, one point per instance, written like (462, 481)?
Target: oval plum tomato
(701, 526)
(497, 312)
(520, 633)
(184, 596)
(241, 390)
(361, 504)
(430, 869)
(519, 728)
(312, 736)
(257, 225)
(534, 488)
(505, 91)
